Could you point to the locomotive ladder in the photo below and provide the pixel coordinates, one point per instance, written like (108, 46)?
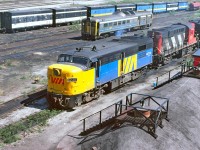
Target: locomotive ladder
(146, 113)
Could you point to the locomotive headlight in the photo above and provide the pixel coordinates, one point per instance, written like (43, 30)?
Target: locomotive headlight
(71, 79)
(56, 72)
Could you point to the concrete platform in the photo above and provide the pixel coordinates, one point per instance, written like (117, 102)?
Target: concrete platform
(181, 132)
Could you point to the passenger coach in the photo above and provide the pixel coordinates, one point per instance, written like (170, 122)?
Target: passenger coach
(62, 15)
(96, 27)
(26, 18)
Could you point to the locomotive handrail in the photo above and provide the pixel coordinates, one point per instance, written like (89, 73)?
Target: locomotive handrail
(101, 110)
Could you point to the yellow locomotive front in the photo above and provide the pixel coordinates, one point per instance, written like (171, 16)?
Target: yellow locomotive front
(68, 81)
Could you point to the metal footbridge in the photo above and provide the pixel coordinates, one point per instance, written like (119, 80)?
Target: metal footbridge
(143, 111)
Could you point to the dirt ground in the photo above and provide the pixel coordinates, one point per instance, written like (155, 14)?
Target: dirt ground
(17, 75)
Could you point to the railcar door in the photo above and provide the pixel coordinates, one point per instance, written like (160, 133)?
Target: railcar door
(122, 64)
(94, 30)
(149, 20)
(86, 28)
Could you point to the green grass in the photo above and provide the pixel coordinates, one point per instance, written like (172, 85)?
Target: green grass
(11, 133)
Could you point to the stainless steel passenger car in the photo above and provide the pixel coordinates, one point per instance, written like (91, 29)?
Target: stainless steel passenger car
(26, 18)
(63, 15)
(95, 27)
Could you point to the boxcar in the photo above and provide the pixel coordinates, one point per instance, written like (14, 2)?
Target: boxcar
(26, 18)
(126, 7)
(172, 6)
(144, 7)
(194, 6)
(182, 5)
(159, 7)
(63, 15)
(101, 10)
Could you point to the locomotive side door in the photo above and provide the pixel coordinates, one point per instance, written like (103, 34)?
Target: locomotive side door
(122, 64)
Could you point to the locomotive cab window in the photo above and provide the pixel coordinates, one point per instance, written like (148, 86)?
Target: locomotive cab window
(141, 48)
(64, 58)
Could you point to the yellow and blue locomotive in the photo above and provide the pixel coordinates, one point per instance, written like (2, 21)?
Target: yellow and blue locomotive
(83, 74)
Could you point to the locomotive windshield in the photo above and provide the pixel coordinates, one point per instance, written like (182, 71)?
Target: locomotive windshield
(64, 58)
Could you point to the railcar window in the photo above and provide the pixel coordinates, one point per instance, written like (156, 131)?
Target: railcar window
(64, 58)
(149, 46)
(143, 47)
(132, 12)
(93, 24)
(80, 60)
(119, 23)
(105, 25)
(115, 23)
(128, 21)
(73, 59)
(126, 12)
(124, 22)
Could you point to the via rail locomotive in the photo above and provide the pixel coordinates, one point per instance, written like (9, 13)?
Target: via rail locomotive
(83, 74)
(95, 27)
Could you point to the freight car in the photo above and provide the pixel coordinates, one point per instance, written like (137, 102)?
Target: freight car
(194, 6)
(81, 75)
(85, 73)
(96, 27)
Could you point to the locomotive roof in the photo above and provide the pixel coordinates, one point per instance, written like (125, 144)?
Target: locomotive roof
(169, 28)
(187, 24)
(111, 47)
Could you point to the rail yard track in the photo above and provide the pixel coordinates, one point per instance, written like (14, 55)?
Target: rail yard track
(50, 41)
(30, 98)
(21, 101)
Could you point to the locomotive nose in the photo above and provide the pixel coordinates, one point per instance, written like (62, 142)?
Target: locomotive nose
(62, 78)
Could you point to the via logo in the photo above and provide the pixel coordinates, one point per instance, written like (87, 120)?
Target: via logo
(55, 80)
